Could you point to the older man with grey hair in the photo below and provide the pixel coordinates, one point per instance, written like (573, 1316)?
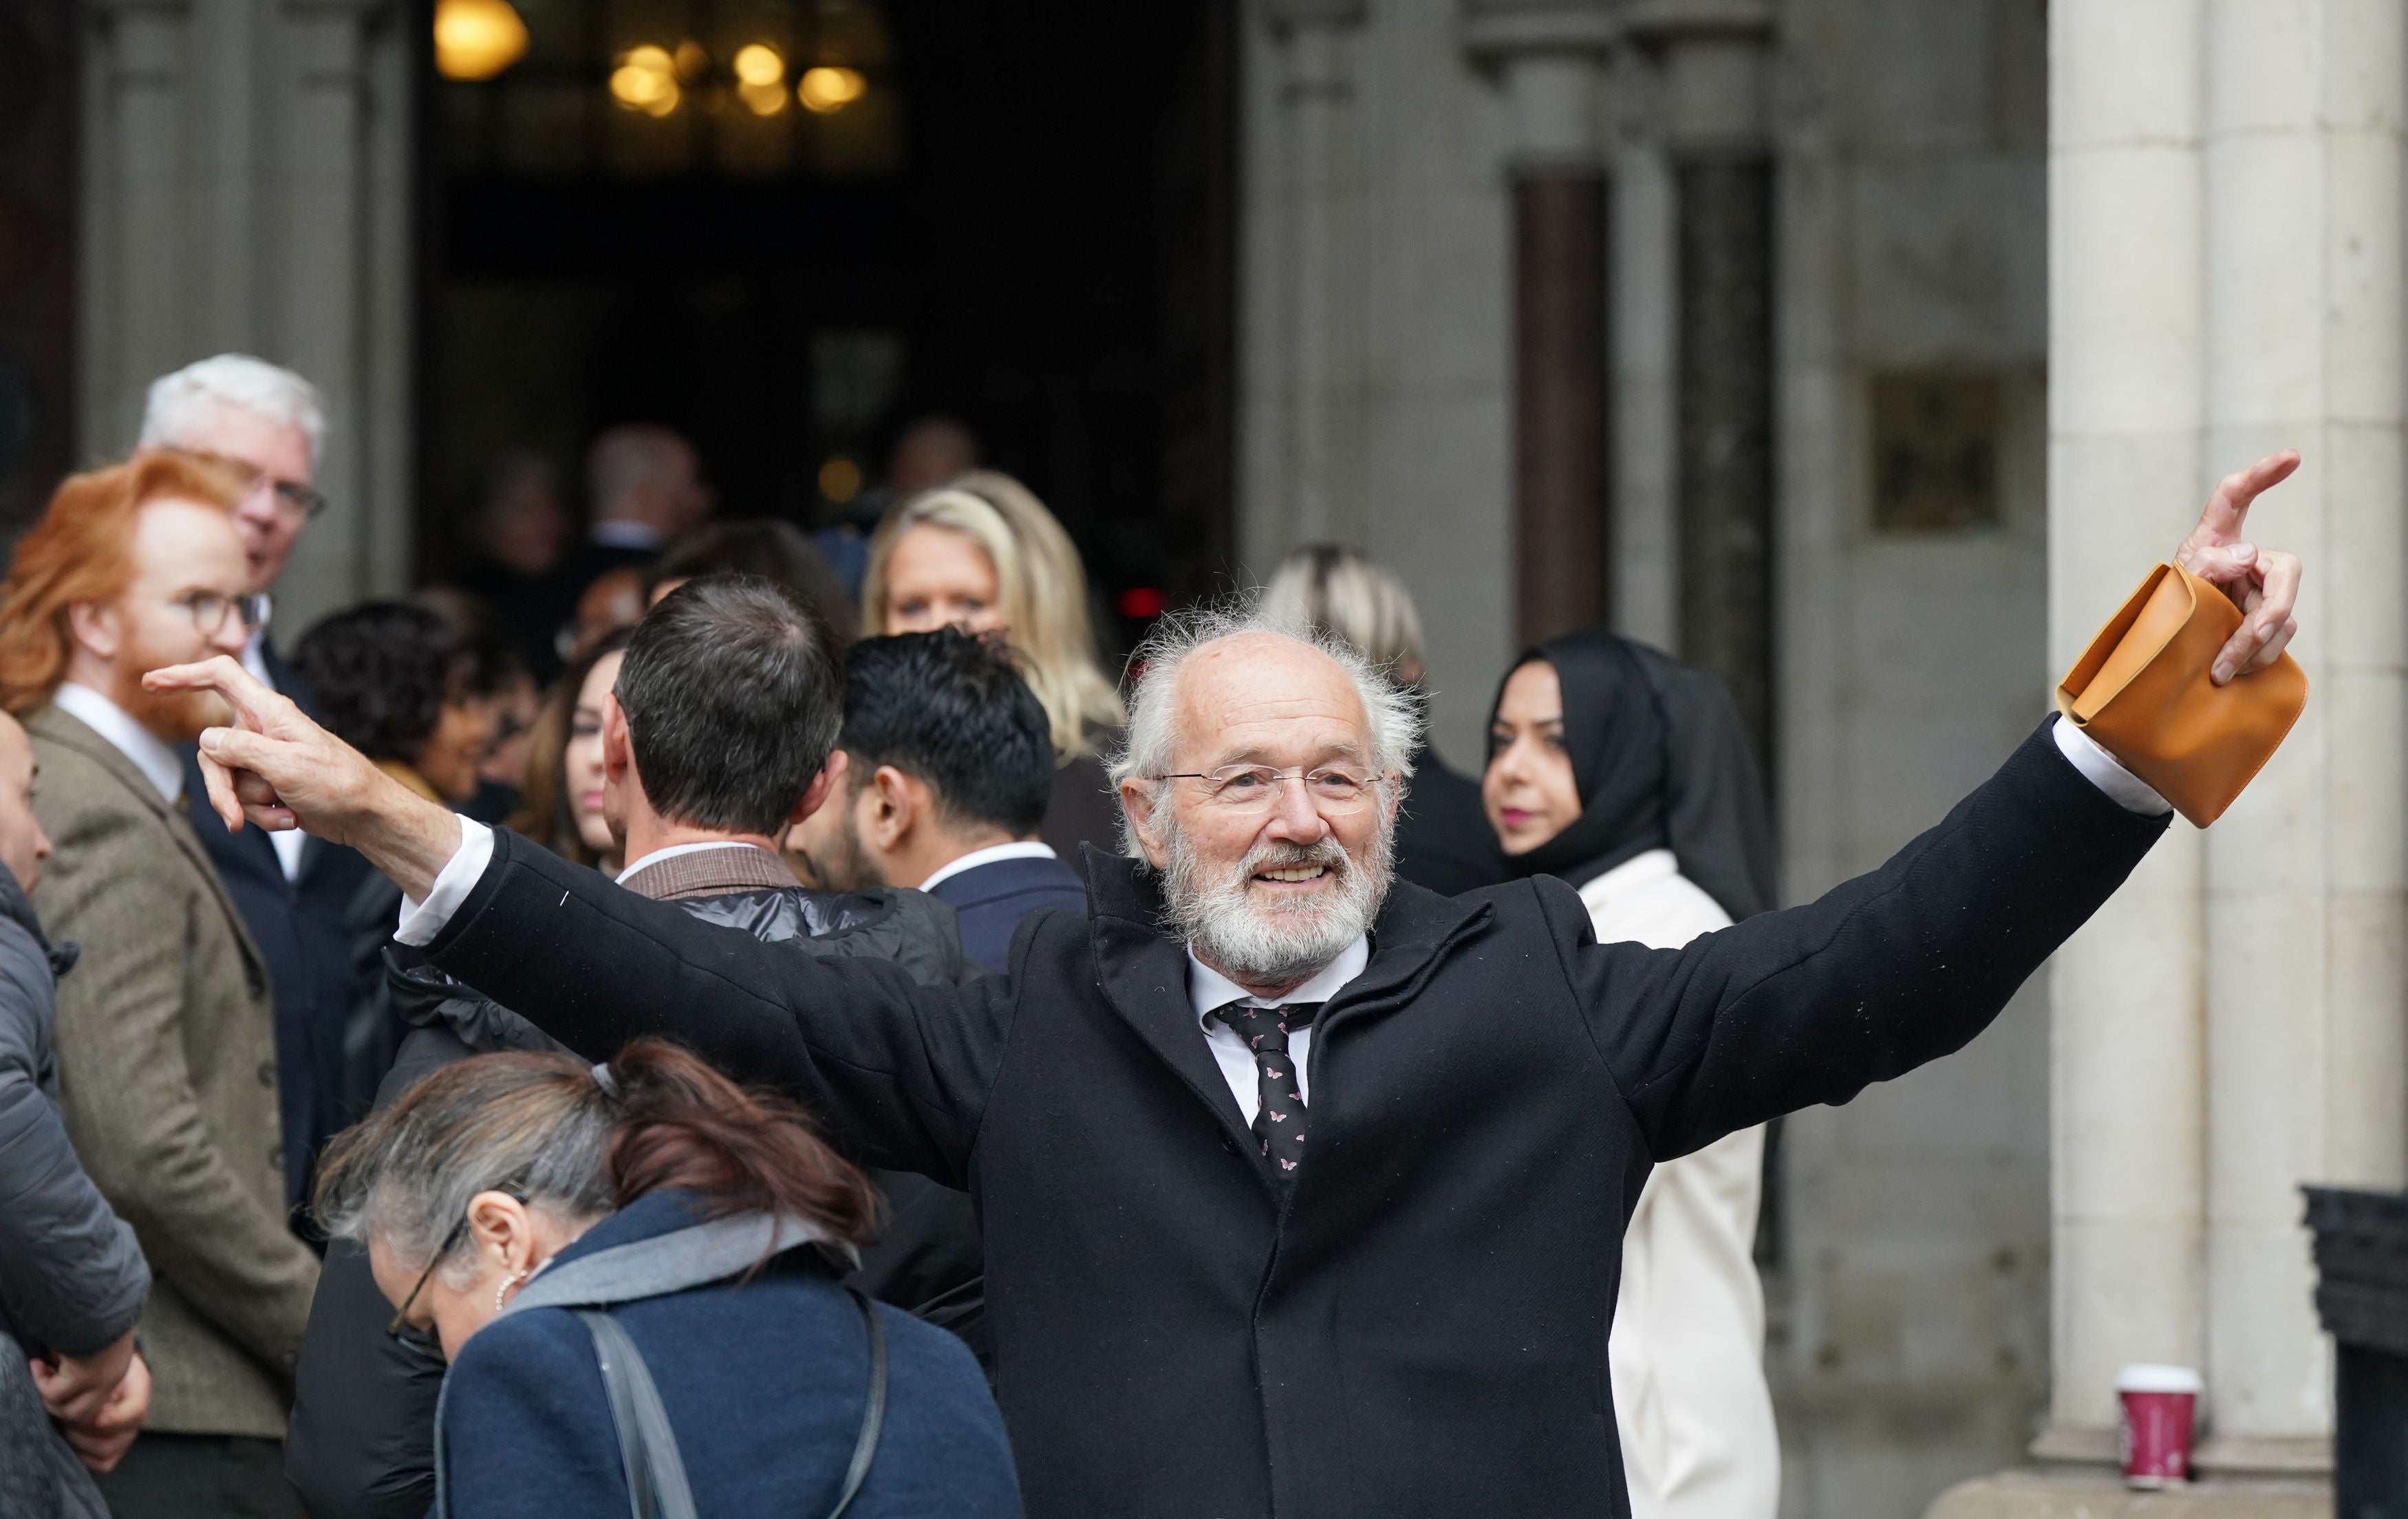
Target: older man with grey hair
(1303, 1189)
(292, 892)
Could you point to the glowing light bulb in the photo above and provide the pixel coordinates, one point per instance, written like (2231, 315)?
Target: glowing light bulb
(757, 63)
(827, 90)
(476, 40)
(840, 479)
(646, 81)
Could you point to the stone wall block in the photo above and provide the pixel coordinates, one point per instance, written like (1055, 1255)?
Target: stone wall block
(2123, 75)
(2125, 304)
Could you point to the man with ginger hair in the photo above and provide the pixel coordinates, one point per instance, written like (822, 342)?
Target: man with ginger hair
(165, 1036)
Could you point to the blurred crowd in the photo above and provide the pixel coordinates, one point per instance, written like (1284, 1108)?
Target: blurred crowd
(237, 1116)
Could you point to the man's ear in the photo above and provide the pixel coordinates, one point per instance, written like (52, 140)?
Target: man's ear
(618, 750)
(95, 625)
(897, 810)
(823, 785)
(1137, 800)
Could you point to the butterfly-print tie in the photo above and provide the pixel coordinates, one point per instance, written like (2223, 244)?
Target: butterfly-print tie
(1279, 1116)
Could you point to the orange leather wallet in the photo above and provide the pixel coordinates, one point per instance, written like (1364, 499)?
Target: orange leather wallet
(2141, 691)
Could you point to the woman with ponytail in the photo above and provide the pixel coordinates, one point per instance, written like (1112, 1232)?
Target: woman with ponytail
(595, 1247)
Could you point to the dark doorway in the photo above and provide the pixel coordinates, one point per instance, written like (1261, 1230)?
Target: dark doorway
(1024, 219)
(38, 218)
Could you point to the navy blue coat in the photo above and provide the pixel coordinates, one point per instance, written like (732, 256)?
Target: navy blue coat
(764, 1382)
(302, 932)
(989, 900)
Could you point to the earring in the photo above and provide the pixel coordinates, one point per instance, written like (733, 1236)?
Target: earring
(508, 1283)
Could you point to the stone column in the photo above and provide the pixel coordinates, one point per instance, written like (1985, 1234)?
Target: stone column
(2126, 350)
(1316, 94)
(320, 306)
(136, 293)
(1714, 60)
(2307, 921)
(229, 148)
(1642, 274)
(1550, 55)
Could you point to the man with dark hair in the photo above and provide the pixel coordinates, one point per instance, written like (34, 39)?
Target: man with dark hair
(715, 742)
(949, 761)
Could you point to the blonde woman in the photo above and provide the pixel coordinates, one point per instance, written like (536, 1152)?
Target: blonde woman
(981, 552)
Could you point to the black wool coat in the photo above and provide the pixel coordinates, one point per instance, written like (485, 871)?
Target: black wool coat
(1420, 1328)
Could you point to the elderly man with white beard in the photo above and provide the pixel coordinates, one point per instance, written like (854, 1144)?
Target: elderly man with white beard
(1303, 1189)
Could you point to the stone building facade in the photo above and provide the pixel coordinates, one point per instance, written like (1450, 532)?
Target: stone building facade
(1863, 350)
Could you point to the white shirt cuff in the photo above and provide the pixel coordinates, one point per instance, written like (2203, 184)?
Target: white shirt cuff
(2101, 769)
(421, 921)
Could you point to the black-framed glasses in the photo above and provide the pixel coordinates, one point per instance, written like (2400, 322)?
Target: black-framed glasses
(295, 501)
(209, 610)
(450, 1243)
(1332, 789)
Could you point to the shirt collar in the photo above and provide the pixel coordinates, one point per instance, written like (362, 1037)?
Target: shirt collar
(1027, 849)
(1208, 989)
(673, 851)
(146, 750)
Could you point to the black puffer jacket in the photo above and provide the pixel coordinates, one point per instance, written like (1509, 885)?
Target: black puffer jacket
(361, 1443)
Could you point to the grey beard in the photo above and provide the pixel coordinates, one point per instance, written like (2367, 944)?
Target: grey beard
(1270, 945)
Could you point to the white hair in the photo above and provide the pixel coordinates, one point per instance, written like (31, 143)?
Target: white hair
(173, 414)
(1394, 712)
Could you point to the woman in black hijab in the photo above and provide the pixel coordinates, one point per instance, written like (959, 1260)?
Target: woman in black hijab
(1626, 774)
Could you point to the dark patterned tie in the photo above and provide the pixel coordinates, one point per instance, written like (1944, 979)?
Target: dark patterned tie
(1278, 1120)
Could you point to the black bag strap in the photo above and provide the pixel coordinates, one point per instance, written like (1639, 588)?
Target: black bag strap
(873, 1409)
(648, 1448)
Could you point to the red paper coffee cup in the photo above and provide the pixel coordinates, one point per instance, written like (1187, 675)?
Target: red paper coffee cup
(2160, 1407)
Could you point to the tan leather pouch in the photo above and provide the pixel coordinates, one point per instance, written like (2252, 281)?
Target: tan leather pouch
(2141, 691)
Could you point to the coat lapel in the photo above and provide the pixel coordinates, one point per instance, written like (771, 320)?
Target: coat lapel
(63, 728)
(1144, 976)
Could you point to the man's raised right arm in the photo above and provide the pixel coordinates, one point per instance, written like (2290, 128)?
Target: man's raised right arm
(900, 1071)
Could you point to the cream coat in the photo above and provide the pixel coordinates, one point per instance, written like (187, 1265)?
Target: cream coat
(1697, 1437)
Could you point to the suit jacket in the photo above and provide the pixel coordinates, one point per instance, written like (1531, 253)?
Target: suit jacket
(166, 1048)
(300, 928)
(989, 900)
(1420, 1326)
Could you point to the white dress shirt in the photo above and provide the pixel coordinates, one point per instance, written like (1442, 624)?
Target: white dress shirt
(146, 750)
(1028, 849)
(1208, 989)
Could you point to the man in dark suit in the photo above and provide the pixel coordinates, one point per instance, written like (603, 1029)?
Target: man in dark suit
(947, 761)
(292, 890)
(1303, 1187)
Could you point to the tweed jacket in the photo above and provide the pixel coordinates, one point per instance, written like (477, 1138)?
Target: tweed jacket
(166, 1052)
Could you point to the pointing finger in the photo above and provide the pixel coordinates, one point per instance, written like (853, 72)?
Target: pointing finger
(2228, 509)
(252, 702)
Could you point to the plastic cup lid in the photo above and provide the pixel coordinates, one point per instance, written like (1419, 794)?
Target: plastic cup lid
(2144, 1378)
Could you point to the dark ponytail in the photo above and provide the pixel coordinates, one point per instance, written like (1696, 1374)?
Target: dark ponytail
(682, 1126)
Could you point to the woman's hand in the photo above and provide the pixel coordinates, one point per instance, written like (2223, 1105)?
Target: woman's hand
(98, 1427)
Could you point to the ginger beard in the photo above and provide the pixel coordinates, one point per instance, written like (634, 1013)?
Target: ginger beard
(174, 716)
(1286, 937)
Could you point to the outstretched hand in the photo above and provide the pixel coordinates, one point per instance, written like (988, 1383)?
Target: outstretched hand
(280, 770)
(2263, 583)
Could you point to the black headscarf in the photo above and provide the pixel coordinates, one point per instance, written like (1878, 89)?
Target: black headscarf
(1660, 761)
